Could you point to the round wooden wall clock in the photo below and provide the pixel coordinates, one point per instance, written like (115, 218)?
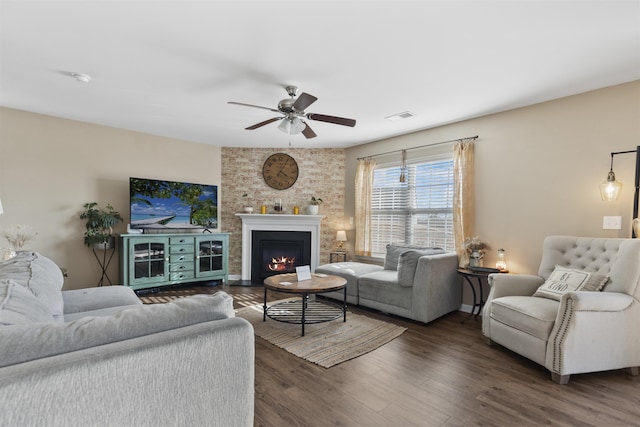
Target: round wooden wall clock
(280, 171)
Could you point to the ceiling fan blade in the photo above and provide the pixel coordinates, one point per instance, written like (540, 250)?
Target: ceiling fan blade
(308, 132)
(331, 119)
(266, 122)
(254, 106)
(303, 101)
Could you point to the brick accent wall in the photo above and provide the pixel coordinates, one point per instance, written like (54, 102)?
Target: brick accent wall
(322, 174)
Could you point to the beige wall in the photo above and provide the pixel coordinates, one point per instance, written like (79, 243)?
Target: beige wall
(538, 169)
(49, 167)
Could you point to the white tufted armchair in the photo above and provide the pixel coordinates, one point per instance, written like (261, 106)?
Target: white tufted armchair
(583, 331)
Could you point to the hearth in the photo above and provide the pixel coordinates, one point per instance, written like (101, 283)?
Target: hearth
(278, 223)
(278, 252)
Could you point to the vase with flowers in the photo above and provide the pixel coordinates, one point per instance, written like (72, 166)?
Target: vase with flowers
(17, 236)
(475, 248)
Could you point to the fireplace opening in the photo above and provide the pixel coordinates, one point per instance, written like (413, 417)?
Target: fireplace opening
(278, 252)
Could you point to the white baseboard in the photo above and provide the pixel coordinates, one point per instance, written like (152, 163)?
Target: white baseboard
(466, 308)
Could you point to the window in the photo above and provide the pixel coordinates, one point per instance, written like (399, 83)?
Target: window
(418, 211)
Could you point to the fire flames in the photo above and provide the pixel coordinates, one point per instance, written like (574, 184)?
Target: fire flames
(282, 263)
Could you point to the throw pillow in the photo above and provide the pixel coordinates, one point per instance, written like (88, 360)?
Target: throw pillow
(408, 263)
(41, 276)
(564, 279)
(393, 254)
(18, 306)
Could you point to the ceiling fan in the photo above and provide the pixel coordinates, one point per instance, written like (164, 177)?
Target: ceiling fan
(293, 114)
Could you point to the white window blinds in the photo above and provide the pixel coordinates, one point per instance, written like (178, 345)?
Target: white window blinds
(418, 211)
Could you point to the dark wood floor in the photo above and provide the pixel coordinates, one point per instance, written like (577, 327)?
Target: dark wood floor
(439, 374)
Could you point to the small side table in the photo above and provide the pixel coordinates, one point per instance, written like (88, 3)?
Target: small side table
(338, 256)
(478, 297)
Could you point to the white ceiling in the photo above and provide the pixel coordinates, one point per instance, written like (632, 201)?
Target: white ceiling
(169, 67)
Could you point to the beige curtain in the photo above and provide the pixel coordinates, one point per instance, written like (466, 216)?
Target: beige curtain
(364, 186)
(463, 197)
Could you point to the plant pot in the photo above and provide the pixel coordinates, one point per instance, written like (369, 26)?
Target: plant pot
(312, 210)
(104, 245)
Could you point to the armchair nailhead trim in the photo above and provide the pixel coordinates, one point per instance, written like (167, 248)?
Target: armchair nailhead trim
(560, 336)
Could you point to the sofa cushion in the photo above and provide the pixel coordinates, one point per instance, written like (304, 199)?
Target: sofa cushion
(21, 343)
(382, 286)
(534, 316)
(393, 252)
(40, 275)
(564, 279)
(349, 271)
(18, 306)
(408, 262)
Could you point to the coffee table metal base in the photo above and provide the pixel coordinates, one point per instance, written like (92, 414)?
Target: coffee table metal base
(303, 311)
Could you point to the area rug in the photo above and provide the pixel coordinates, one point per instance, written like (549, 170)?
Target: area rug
(325, 344)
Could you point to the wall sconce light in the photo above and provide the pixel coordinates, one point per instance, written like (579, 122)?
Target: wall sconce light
(341, 237)
(610, 189)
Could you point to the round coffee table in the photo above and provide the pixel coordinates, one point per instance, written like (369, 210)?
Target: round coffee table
(304, 311)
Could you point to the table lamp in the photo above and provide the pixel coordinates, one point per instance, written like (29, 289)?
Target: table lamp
(341, 237)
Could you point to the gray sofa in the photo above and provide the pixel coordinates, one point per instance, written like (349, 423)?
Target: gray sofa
(99, 356)
(417, 283)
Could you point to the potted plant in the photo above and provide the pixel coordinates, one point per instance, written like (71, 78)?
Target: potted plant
(314, 203)
(245, 203)
(99, 225)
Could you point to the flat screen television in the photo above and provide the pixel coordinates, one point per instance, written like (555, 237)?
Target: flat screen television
(159, 206)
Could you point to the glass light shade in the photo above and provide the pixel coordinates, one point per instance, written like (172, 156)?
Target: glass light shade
(501, 264)
(610, 189)
(291, 126)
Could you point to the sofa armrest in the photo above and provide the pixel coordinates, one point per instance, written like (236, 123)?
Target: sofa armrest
(437, 287)
(593, 331)
(202, 374)
(513, 284)
(598, 301)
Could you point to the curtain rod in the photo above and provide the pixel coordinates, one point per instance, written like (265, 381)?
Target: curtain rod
(415, 148)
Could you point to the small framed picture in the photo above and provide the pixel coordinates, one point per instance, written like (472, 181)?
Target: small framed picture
(303, 272)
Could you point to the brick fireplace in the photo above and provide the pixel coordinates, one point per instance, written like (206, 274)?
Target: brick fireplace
(278, 229)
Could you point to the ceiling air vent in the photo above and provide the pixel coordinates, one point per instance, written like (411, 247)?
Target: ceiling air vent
(400, 116)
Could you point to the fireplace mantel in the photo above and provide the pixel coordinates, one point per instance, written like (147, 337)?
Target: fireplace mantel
(278, 222)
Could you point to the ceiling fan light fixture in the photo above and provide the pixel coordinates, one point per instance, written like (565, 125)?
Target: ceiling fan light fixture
(291, 126)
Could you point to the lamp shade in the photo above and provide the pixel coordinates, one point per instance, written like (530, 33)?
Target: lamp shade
(341, 236)
(610, 189)
(291, 126)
